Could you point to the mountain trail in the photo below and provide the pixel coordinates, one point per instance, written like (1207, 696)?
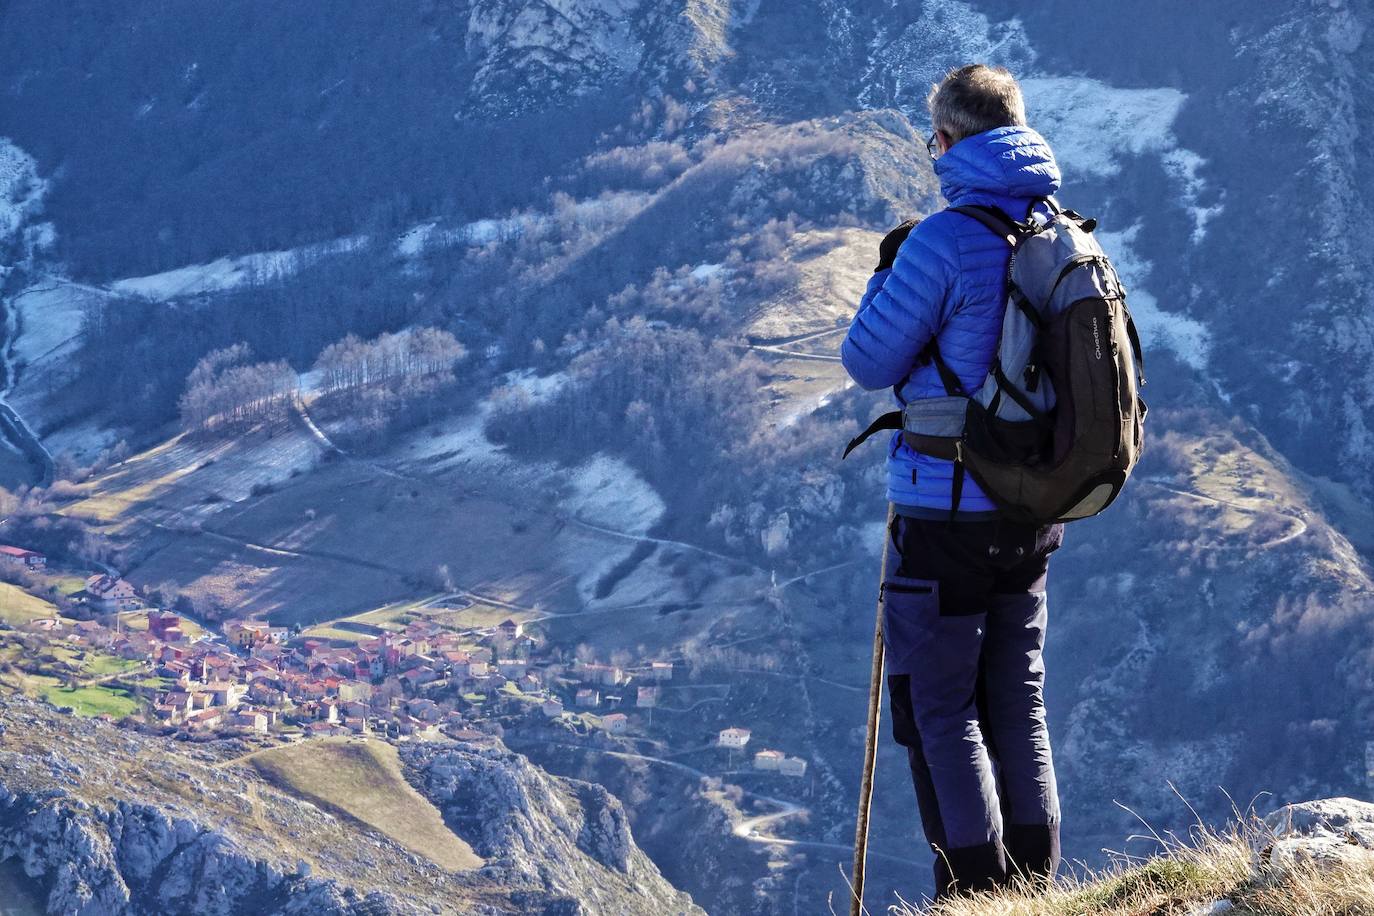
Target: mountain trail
(1299, 528)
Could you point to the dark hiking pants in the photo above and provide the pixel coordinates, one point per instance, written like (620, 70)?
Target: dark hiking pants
(964, 625)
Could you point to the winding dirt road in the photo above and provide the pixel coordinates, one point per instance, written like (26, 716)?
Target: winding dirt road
(751, 829)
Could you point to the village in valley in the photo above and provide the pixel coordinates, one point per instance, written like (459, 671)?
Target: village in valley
(410, 676)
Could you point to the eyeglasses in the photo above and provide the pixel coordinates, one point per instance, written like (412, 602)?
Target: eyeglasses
(933, 145)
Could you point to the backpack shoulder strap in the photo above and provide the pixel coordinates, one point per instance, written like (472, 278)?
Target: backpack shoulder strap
(890, 420)
(994, 219)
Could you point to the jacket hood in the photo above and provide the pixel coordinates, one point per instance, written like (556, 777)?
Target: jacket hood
(1005, 161)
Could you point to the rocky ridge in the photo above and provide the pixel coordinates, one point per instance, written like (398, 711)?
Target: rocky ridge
(568, 836)
(105, 821)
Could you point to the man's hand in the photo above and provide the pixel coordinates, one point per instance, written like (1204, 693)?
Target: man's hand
(887, 248)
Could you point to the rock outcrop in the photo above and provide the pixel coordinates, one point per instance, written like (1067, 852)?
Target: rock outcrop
(536, 49)
(1329, 831)
(138, 858)
(562, 836)
(107, 822)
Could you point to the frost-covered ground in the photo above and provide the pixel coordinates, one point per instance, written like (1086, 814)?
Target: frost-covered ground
(603, 491)
(50, 314)
(229, 273)
(611, 507)
(21, 201)
(225, 274)
(47, 318)
(461, 443)
(594, 214)
(187, 480)
(606, 491)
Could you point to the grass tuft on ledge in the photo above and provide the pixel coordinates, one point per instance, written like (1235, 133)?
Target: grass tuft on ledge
(1214, 873)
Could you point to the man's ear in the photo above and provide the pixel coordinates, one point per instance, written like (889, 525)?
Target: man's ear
(944, 141)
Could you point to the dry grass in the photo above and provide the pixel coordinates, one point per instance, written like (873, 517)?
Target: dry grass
(363, 780)
(18, 607)
(1188, 880)
(387, 617)
(396, 615)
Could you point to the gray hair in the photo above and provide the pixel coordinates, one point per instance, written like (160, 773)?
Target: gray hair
(974, 99)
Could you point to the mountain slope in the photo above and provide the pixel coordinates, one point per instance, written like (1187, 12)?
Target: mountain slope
(649, 222)
(104, 822)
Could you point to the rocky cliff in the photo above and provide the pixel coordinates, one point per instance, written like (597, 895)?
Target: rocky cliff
(104, 821)
(569, 837)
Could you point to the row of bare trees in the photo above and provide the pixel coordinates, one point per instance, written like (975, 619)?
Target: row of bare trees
(374, 388)
(396, 361)
(227, 392)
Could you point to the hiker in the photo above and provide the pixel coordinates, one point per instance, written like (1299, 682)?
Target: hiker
(963, 599)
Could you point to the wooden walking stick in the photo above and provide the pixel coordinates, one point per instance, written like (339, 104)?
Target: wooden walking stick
(875, 700)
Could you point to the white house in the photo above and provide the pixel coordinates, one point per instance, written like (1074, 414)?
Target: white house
(111, 593)
(733, 737)
(646, 697)
(792, 766)
(617, 723)
(768, 760)
(252, 719)
(553, 707)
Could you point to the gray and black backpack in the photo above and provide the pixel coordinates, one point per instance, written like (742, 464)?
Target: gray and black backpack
(1058, 424)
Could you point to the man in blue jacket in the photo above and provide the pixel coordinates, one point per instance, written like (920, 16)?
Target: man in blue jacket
(964, 609)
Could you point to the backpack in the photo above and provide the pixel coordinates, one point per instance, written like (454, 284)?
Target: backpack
(1058, 424)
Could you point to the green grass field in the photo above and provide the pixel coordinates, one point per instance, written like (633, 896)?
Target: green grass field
(68, 584)
(86, 701)
(99, 664)
(18, 607)
(363, 780)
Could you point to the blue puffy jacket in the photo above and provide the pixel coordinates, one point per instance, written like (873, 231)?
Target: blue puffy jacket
(947, 283)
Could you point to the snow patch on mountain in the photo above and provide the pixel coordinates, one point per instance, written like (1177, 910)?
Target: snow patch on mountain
(417, 240)
(1094, 127)
(1091, 125)
(1188, 338)
(704, 273)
